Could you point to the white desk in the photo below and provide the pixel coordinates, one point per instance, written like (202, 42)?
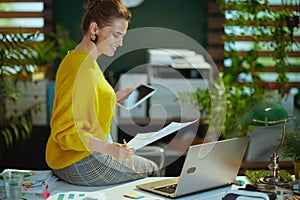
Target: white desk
(116, 192)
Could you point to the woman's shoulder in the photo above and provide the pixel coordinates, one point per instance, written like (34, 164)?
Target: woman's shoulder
(77, 55)
(74, 60)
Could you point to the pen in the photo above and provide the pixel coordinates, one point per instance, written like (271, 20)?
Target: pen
(130, 159)
(34, 184)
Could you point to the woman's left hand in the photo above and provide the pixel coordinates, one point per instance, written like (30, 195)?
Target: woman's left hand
(123, 94)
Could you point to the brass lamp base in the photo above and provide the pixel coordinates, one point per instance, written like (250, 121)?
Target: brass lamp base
(278, 181)
(273, 178)
(282, 190)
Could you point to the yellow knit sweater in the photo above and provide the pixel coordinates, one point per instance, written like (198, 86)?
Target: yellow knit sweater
(84, 106)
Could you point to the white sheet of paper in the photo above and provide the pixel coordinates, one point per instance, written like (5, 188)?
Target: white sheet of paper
(143, 139)
(96, 195)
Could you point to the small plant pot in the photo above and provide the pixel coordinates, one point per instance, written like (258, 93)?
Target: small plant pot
(297, 169)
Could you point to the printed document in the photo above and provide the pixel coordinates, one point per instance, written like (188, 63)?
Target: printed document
(143, 139)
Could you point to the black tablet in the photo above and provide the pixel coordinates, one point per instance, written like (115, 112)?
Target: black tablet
(139, 95)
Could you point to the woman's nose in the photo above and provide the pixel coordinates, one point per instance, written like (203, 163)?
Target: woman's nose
(121, 42)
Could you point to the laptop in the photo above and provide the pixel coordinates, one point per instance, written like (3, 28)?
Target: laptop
(207, 166)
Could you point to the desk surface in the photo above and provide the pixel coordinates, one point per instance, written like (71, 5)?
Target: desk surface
(63, 191)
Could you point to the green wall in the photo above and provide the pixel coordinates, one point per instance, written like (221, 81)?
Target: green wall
(185, 16)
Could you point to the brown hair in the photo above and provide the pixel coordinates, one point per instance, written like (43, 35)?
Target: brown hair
(103, 12)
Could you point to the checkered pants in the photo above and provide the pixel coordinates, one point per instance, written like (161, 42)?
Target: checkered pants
(99, 169)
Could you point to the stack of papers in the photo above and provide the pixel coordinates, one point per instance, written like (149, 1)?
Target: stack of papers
(36, 182)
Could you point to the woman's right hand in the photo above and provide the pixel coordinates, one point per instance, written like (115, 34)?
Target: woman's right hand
(120, 152)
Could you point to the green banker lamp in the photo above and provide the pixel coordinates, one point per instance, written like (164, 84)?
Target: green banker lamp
(268, 116)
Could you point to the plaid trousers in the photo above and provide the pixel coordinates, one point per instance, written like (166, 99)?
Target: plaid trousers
(99, 169)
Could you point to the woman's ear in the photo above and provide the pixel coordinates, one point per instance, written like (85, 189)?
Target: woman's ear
(94, 32)
(94, 28)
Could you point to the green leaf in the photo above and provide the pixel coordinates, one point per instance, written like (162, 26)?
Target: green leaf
(14, 130)
(7, 136)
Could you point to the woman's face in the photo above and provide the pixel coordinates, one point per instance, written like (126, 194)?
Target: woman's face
(111, 37)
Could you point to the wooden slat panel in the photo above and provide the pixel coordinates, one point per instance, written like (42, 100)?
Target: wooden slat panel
(48, 26)
(21, 14)
(213, 8)
(216, 53)
(15, 30)
(272, 69)
(271, 85)
(281, 7)
(219, 63)
(252, 38)
(268, 53)
(272, 7)
(47, 14)
(15, 1)
(215, 46)
(294, 84)
(215, 38)
(215, 23)
(48, 2)
(255, 23)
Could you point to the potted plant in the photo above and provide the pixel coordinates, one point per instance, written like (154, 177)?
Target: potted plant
(239, 100)
(18, 53)
(41, 54)
(291, 148)
(13, 67)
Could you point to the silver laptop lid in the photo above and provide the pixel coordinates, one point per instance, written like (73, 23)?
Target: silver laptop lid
(211, 165)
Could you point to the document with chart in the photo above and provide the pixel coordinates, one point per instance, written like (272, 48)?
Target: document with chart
(143, 139)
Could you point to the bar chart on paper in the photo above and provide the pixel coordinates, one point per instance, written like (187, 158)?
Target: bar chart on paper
(76, 196)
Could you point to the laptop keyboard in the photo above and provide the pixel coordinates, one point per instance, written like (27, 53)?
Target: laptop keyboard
(167, 189)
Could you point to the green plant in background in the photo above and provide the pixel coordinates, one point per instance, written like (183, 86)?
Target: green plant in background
(63, 43)
(281, 45)
(270, 29)
(255, 175)
(19, 52)
(13, 55)
(290, 147)
(240, 99)
(244, 88)
(21, 56)
(63, 39)
(13, 67)
(42, 52)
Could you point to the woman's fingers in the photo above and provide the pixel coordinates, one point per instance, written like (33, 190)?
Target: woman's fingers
(121, 152)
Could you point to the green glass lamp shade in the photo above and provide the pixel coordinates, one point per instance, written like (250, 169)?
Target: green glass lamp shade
(271, 115)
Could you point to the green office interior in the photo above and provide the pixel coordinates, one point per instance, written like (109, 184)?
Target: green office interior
(187, 18)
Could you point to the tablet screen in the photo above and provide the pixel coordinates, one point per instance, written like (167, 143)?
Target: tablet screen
(140, 94)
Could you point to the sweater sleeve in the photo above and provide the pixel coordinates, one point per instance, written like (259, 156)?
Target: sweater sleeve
(72, 107)
(83, 108)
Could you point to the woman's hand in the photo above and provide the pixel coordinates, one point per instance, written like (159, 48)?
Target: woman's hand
(120, 152)
(123, 94)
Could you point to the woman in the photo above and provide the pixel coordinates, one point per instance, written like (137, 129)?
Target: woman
(77, 150)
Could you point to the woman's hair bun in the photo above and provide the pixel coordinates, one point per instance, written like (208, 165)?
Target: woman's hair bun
(91, 3)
